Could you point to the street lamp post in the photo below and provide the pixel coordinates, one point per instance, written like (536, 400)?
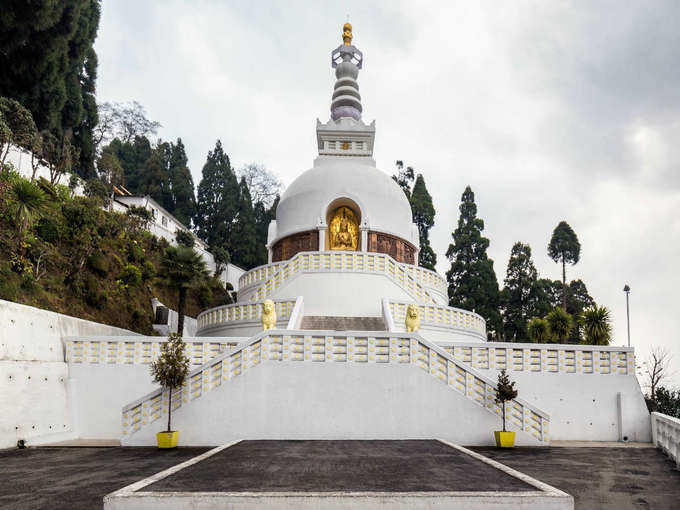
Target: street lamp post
(626, 289)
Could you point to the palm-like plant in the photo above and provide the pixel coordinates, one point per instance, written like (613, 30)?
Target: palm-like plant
(596, 322)
(559, 325)
(539, 331)
(29, 201)
(182, 268)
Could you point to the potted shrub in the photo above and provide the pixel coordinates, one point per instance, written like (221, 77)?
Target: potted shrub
(505, 390)
(170, 371)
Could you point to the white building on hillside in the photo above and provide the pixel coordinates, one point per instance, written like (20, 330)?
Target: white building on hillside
(166, 226)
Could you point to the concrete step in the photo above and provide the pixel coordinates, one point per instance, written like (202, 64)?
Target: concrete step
(330, 323)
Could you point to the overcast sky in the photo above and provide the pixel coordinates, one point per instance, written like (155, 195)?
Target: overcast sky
(550, 112)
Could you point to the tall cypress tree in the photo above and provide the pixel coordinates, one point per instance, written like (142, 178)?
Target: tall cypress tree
(181, 184)
(153, 179)
(49, 65)
(423, 216)
(133, 157)
(244, 252)
(565, 248)
(520, 295)
(472, 280)
(218, 201)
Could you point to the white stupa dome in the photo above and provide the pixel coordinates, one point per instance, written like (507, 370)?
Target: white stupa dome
(334, 181)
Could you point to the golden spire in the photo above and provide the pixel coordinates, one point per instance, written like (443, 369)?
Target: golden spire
(347, 34)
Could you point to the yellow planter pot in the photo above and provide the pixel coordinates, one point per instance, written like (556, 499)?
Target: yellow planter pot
(167, 439)
(504, 439)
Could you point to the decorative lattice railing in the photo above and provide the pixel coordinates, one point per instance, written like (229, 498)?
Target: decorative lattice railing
(666, 435)
(547, 358)
(258, 275)
(335, 347)
(242, 312)
(404, 275)
(137, 350)
(442, 316)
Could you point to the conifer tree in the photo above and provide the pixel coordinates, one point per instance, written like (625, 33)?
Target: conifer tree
(244, 252)
(472, 280)
(520, 295)
(423, 216)
(49, 65)
(565, 248)
(132, 157)
(218, 202)
(183, 205)
(153, 179)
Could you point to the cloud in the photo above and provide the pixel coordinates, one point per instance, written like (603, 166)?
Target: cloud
(548, 111)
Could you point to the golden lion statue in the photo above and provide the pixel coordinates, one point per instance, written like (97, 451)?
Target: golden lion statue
(412, 318)
(268, 315)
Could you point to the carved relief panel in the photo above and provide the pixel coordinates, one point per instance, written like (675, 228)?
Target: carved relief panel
(292, 245)
(397, 248)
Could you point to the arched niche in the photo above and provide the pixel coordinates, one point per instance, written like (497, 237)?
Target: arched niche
(343, 218)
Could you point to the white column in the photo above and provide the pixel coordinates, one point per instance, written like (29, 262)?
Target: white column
(322, 237)
(364, 238)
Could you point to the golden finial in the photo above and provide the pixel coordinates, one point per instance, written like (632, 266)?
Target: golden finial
(347, 34)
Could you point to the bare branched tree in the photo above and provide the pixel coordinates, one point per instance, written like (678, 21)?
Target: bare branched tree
(656, 369)
(123, 121)
(262, 184)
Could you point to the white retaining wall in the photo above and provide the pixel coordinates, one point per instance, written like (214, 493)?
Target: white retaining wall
(106, 373)
(591, 392)
(330, 401)
(586, 407)
(34, 383)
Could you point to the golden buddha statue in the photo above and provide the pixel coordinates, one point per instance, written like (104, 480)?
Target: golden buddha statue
(343, 230)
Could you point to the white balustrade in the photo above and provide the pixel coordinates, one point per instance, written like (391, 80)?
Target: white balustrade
(666, 435)
(258, 275)
(285, 346)
(137, 350)
(440, 315)
(547, 358)
(413, 279)
(241, 312)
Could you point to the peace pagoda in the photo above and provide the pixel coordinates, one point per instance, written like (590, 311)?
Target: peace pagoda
(344, 240)
(342, 336)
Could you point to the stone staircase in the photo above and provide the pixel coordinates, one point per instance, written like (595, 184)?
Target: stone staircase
(332, 381)
(335, 323)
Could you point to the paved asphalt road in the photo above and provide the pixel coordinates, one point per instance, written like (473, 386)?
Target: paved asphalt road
(598, 478)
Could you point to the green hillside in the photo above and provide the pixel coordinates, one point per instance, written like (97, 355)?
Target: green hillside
(69, 255)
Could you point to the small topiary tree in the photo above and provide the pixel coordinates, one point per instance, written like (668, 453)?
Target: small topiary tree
(171, 368)
(505, 390)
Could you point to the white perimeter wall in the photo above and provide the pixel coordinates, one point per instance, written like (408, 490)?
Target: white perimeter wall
(99, 392)
(584, 407)
(34, 380)
(293, 400)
